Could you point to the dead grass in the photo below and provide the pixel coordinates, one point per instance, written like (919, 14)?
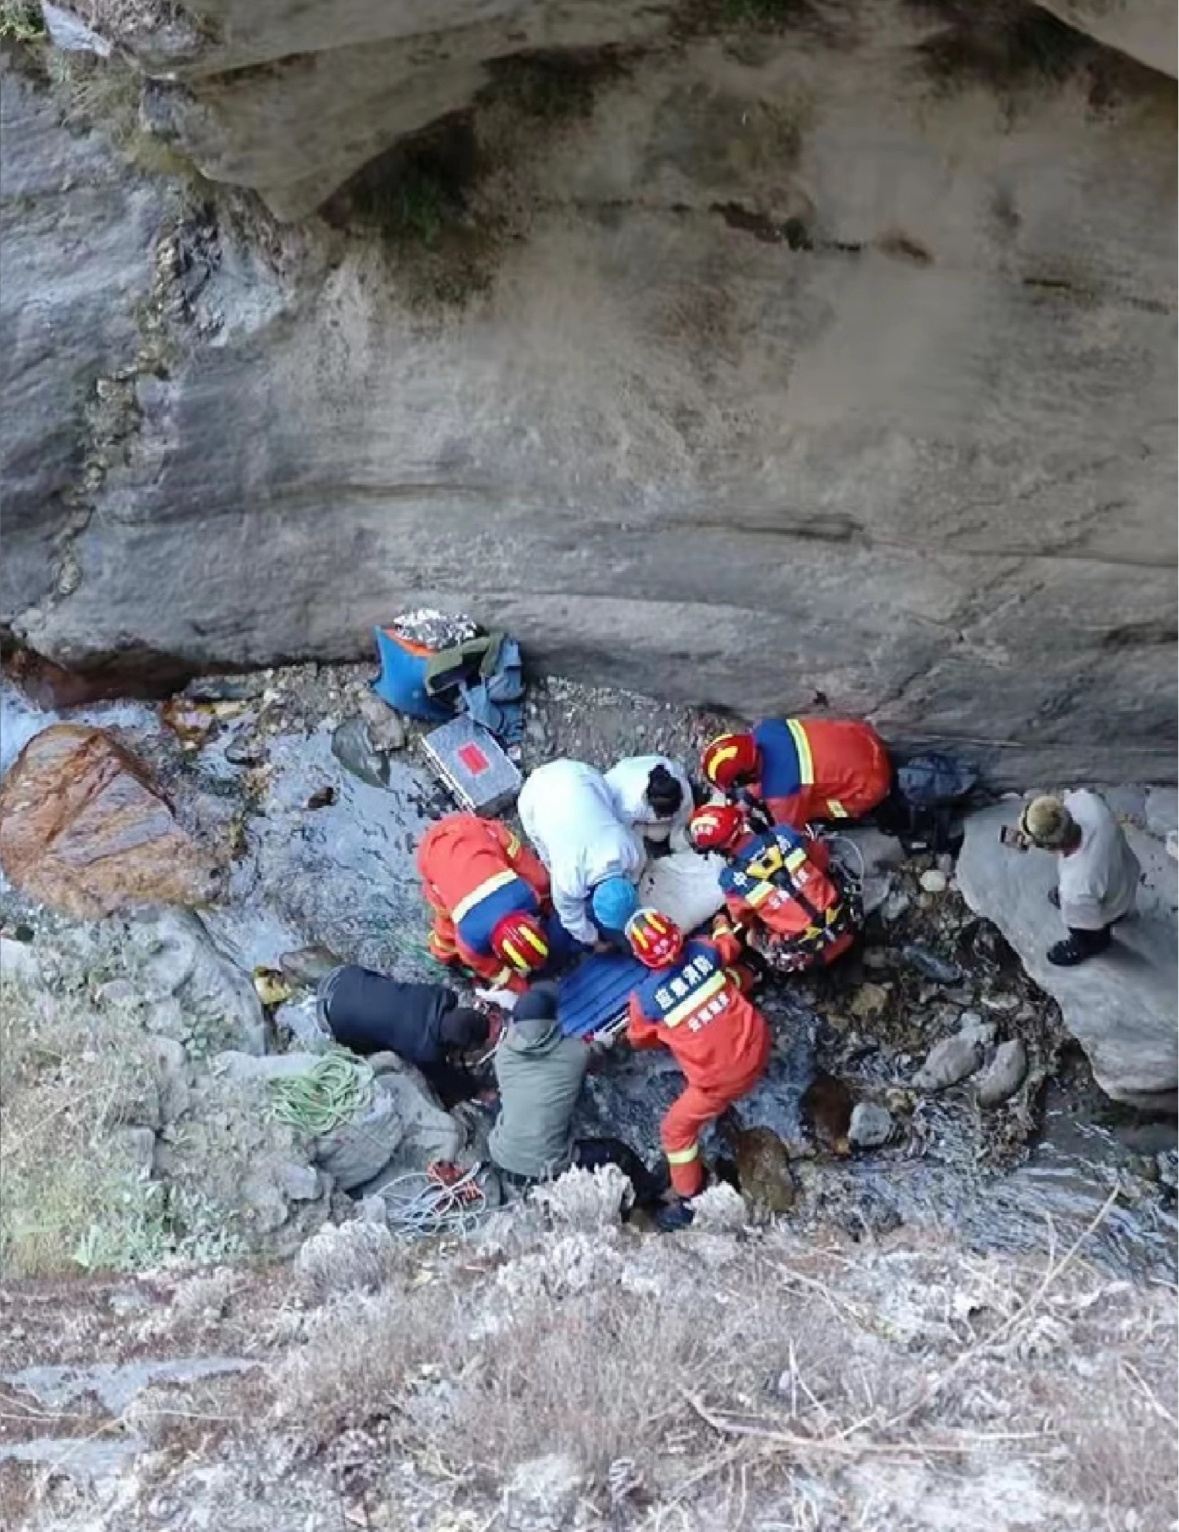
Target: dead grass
(712, 1362)
(73, 1079)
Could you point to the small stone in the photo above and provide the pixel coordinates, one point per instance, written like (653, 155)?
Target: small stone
(140, 1147)
(116, 992)
(934, 881)
(973, 1025)
(871, 1125)
(353, 747)
(299, 1183)
(869, 1001)
(542, 1494)
(1004, 1074)
(927, 962)
(1173, 844)
(948, 1062)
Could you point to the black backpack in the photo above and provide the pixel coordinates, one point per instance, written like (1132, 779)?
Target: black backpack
(927, 793)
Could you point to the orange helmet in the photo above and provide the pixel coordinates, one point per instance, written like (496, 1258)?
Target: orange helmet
(716, 826)
(654, 939)
(729, 759)
(520, 941)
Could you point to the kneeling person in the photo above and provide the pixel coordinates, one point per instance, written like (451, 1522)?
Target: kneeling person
(488, 893)
(693, 1004)
(801, 769)
(781, 887)
(540, 1073)
(422, 1023)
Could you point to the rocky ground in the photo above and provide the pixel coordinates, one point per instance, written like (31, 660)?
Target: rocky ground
(923, 1091)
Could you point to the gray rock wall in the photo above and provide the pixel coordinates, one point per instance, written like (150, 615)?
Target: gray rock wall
(752, 369)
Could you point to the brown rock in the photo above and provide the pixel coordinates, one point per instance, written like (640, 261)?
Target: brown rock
(82, 828)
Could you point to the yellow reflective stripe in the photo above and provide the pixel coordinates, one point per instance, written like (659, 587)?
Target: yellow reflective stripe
(683, 1156)
(796, 858)
(465, 906)
(837, 809)
(513, 845)
(758, 894)
(806, 766)
(707, 990)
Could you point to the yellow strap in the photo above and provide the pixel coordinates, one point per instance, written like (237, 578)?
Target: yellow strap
(513, 845)
(465, 906)
(707, 990)
(683, 1156)
(806, 766)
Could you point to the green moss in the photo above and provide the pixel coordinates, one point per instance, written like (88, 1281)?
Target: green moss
(21, 21)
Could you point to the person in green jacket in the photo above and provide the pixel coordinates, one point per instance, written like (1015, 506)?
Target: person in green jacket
(540, 1073)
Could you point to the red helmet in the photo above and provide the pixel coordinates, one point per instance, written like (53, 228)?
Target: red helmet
(729, 759)
(716, 826)
(654, 939)
(520, 941)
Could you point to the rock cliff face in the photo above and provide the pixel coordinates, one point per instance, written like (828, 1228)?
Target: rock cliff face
(750, 353)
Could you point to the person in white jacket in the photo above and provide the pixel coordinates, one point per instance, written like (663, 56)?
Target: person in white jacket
(594, 859)
(652, 794)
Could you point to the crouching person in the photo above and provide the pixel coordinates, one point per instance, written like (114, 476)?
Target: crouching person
(781, 888)
(422, 1023)
(693, 1004)
(540, 1073)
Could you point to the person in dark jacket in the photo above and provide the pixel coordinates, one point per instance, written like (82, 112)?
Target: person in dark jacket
(422, 1023)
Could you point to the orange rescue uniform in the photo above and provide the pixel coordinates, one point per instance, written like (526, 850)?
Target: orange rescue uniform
(819, 768)
(721, 1042)
(474, 872)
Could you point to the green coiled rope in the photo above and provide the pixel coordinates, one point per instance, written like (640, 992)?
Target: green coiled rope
(336, 1089)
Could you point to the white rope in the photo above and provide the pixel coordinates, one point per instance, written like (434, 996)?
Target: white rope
(434, 1207)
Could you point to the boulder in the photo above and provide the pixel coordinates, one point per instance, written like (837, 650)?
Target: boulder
(403, 1128)
(83, 828)
(1120, 1006)
(216, 1001)
(1004, 1074)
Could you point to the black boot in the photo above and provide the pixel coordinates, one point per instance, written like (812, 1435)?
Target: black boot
(1068, 953)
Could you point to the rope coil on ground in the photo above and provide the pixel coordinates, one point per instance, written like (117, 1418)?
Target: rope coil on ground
(418, 1204)
(335, 1090)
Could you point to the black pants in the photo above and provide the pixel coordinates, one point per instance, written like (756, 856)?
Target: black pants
(1091, 942)
(590, 1154)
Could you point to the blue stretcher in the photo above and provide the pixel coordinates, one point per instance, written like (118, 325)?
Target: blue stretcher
(593, 996)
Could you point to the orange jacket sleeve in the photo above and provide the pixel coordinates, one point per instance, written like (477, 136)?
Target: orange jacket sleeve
(640, 1033)
(521, 858)
(725, 940)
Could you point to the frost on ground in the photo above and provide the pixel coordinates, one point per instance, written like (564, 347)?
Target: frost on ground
(581, 1376)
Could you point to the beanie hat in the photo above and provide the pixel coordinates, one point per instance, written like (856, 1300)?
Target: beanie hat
(1046, 822)
(463, 1028)
(538, 1004)
(613, 902)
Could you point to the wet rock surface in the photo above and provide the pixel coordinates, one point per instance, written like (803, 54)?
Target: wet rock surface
(83, 827)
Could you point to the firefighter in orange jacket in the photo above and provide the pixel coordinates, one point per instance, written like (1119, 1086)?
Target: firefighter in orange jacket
(488, 893)
(780, 887)
(801, 769)
(693, 1003)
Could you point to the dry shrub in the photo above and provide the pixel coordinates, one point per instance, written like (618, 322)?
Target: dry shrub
(72, 1080)
(354, 1257)
(706, 1356)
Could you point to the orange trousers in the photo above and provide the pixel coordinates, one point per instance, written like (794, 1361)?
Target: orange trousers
(692, 1111)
